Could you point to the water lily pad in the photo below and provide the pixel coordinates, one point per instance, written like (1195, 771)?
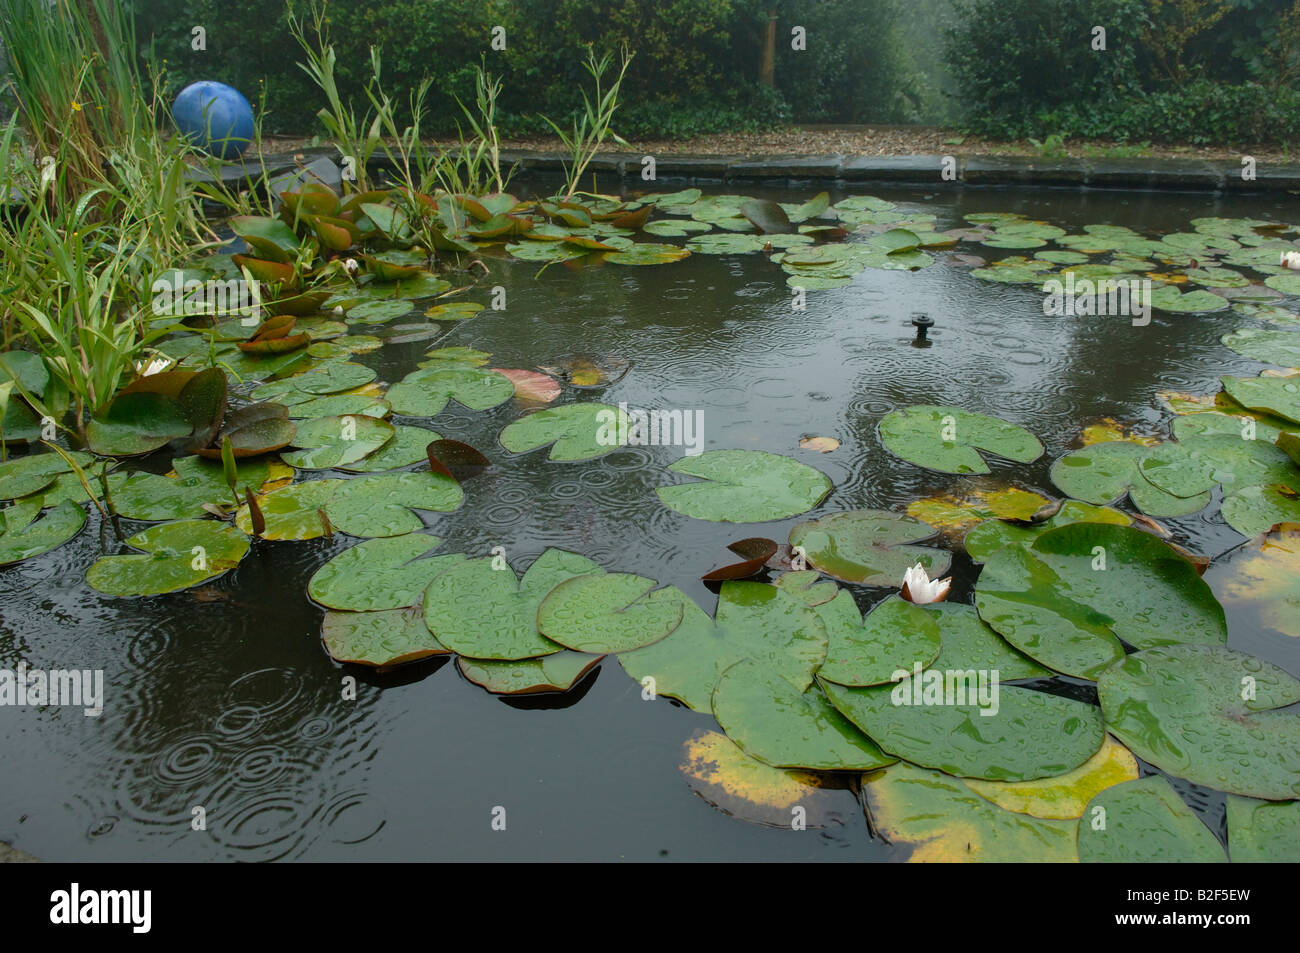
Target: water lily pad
(1066, 795)
(787, 728)
(1252, 510)
(382, 504)
(1266, 346)
(951, 511)
(1208, 714)
(173, 556)
(1287, 284)
(385, 573)
(1279, 396)
(1263, 832)
(893, 636)
(574, 431)
(483, 612)
(1028, 735)
(1143, 822)
(1104, 472)
(740, 786)
(948, 438)
(425, 392)
(1169, 298)
(137, 423)
(945, 821)
(381, 639)
(744, 486)
(646, 253)
(676, 228)
(726, 243)
(1068, 599)
(991, 535)
(23, 476)
(335, 441)
(292, 512)
(340, 405)
(1262, 578)
(753, 621)
(25, 532)
(405, 447)
(198, 481)
(869, 547)
(553, 673)
(611, 612)
(1200, 463)
(331, 377)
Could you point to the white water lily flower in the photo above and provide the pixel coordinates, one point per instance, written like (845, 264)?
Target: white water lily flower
(1291, 259)
(918, 587)
(351, 265)
(157, 365)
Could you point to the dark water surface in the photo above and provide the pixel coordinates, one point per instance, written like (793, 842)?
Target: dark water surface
(223, 698)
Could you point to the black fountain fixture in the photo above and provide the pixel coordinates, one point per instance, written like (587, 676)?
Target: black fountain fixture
(922, 323)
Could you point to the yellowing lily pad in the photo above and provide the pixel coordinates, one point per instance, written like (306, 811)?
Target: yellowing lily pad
(1065, 795)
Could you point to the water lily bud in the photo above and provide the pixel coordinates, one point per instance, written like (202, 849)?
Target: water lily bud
(1291, 259)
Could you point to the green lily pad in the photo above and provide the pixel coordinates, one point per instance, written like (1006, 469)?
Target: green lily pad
(336, 441)
(1169, 298)
(382, 504)
(1103, 473)
(611, 612)
(1068, 600)
(945, 821)
(340, 405)
(1266, 346)
(331, 377)
(553, 673)
(1287, 284)
(425, 392)
(726, 243)
(753, 621)
(1263, 832)
(787, 728)
(137, 423)
(893, 636)
(1198, 464)
(1145, 822)
(292, 512)
(377, 312)
(675, 228)
(1208, 714)
(744, 486)
(385, 573)
(26, 369)
(174, 556)
(938, 722)
(1252, 510)
(1279, 396)
(148, 496)
(407, 446)
(486, 613)
(988, 537)
(948, 438)
(577, 431)
(454, 310)
(25, 533)
(380, 639)
(869, 547)
(23, 476)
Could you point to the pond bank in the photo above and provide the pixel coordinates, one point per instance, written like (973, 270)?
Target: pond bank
(939, 171)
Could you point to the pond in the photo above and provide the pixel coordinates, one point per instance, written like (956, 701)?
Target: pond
(221, 697)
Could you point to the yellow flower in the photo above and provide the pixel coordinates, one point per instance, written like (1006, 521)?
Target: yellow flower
(76, 106)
